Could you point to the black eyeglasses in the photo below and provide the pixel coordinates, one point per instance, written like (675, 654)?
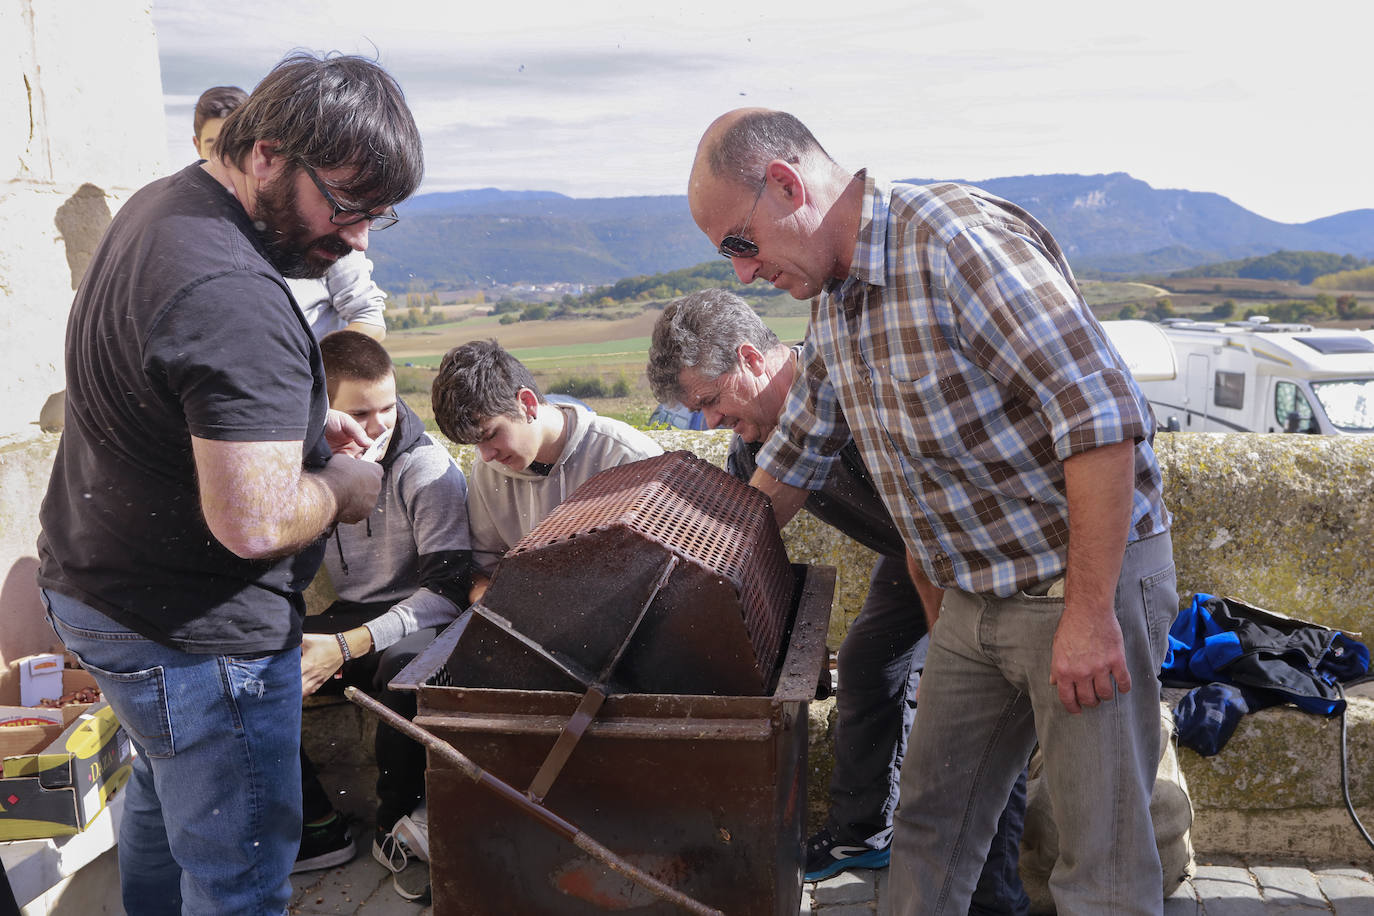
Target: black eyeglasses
(348, 216)
(737, 246)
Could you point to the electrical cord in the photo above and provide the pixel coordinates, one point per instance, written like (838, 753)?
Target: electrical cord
(1345, 774)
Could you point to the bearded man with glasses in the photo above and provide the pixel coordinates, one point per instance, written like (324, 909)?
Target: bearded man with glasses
(200, 467)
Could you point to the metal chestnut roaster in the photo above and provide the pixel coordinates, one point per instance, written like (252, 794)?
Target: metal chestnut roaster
(641, 666)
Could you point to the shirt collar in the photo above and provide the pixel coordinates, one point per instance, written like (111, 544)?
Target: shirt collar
(869, 264)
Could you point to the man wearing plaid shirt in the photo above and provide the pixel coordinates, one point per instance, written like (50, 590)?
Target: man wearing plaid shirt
(1012, 448)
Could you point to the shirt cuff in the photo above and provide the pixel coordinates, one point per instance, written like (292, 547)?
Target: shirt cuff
(1097, 410)
(794, 466)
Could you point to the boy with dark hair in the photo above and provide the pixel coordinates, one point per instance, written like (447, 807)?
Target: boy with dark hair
(401, 574)
(533, 454)
(214, 105)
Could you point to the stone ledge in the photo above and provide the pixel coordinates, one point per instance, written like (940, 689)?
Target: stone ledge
(1274, 789)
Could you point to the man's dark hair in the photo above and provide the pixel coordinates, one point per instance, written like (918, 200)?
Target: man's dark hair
(476, 382)
(332, 112)
(349, 355)
(217, 102)
(702, 331)
(744, 149)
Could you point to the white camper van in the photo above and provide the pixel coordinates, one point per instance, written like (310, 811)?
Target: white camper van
(1251, 376)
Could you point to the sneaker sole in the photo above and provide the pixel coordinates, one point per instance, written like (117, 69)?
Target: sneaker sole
(875, 858)
(421, 896)
(326, 860)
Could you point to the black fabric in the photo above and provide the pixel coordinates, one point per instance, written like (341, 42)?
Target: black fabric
(181, 328)
(448, 573)
(1206, 717)
(849, 502)
(8, 905)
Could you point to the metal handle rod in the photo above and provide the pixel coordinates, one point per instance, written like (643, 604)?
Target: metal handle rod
(541, 814)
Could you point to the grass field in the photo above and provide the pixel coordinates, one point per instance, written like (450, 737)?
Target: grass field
(554, 351)
(616, 350)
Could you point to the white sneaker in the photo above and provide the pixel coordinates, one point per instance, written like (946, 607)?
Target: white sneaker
(413, 831)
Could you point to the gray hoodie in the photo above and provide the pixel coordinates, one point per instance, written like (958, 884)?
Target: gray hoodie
(413, 551)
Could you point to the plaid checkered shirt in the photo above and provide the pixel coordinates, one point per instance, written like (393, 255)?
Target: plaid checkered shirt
(960, 356)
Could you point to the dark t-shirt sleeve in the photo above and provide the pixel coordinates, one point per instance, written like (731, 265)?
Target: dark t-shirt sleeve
(240, 368)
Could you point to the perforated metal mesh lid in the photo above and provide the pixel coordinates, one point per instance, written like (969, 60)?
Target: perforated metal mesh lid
(704, 516)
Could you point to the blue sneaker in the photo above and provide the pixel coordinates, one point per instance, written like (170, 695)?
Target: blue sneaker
(825, 857)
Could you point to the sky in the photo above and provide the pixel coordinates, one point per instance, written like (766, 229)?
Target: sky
(1270, 105)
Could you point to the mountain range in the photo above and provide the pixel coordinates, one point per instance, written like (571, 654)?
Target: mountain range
(1107, 224)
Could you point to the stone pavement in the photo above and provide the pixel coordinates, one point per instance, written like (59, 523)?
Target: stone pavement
(1222, 888)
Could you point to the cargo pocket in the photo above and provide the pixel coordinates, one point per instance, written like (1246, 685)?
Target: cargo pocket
(1159, 594)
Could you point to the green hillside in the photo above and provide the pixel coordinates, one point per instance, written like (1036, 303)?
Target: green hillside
(1297, 266)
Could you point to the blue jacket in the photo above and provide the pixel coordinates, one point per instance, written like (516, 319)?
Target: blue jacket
(1249, 659)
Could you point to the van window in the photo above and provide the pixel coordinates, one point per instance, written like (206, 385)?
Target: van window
(1229, 389)
(1291, 410)
(1349, 403)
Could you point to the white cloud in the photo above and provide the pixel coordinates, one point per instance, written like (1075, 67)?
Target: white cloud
(597, 98)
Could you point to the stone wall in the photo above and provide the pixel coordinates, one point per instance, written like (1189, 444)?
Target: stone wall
(81, 128)
(1281, 522)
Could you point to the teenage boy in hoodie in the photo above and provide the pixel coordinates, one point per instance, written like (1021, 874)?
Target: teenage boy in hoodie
(401, 574)
(533, 454)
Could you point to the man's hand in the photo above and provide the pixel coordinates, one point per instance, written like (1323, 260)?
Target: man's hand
(931, 594)
(480, 582)
(344, 434)
(320, 658)
(1088, 654)
(355, 484)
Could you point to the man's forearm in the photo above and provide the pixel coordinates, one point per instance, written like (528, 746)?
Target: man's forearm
(1099, 487)
(291, 522)
(787, 500)
(375, 331)
(260, 503)
(1088, 663)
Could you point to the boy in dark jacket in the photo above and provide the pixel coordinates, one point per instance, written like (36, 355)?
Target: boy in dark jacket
(401, 574)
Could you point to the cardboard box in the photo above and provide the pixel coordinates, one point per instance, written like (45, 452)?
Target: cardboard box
(61, 789)
(26, 729)
(40, 678)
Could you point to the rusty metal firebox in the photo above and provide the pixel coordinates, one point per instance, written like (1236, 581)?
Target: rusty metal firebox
(642, 662)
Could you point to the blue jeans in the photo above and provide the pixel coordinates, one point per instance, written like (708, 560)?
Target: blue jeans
(212, 813)
(985, 699)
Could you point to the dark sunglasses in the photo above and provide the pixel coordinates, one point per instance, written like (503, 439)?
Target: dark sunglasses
(347, 216)
(737, 246)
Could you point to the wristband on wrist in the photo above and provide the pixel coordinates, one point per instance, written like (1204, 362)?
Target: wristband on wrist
(343, 646)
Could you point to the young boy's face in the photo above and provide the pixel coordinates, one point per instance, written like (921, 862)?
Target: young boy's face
(511, 441)
(372, 404)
